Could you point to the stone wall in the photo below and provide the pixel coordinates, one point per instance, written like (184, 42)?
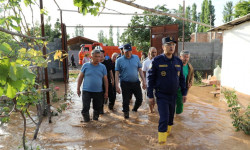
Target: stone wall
(203, 55)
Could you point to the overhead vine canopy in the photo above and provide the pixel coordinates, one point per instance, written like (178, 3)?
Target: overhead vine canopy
(89, 6)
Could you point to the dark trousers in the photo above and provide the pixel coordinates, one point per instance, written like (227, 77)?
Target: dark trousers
(114, 91)
(86, 100)
(129, 88)
(166, 108)
(112, 95)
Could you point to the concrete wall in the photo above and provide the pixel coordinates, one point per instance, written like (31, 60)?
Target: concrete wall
(55, 68)
(203, 55)
(75, 53)
(235, 61)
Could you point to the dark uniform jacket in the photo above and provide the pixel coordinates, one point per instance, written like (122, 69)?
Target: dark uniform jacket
(166, 76)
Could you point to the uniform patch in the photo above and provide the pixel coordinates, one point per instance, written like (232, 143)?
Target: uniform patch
(163, 65)
(178, 73)
(163, 73)
(177, 65)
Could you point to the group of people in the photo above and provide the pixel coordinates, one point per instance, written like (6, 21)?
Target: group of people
(165, 78)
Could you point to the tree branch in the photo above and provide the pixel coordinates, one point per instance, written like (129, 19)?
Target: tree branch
(1, 116)
(159, 12)
(21, 35)
(24, 129)
(30, 117)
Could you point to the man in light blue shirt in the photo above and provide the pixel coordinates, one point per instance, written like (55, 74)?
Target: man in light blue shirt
(127, 68)
(94, 73)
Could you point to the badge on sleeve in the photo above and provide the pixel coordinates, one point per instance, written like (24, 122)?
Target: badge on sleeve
(163, 73)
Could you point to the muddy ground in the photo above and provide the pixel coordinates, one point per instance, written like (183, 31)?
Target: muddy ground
(203, 125)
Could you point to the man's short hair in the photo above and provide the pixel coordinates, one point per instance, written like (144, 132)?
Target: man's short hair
(151, 48)
(114, 54)
(95, 51)
(184, 52)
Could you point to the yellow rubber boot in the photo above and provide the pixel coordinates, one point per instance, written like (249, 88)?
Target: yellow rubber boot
(169, 130)
(162, 137)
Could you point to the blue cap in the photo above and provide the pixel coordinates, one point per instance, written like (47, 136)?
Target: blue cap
(127, 47)
(121, 47)
(168, 40)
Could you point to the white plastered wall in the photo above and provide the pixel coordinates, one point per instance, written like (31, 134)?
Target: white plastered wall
(235, 71)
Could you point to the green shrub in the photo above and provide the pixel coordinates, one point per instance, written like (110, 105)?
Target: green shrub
(197, 77)
(241, 121)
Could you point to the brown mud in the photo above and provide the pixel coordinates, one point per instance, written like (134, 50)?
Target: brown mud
(204, 124)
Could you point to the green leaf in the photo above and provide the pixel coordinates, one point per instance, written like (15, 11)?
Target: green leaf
(1, 91)
(29, 76)
(5, 119)
(15, 27)
(5, 48)
(13, 71)
(22, 50)
(4, 69)
(26, 63)
(11, 91)
(27, 2)
(20, 72)
(18, 20)
(43, 11)
(19, 85)
(6, 109)
(2, 20)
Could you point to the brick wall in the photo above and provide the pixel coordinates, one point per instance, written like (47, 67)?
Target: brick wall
(205, 37)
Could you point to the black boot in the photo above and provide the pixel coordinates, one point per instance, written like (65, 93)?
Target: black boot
(101, 111)
(136, 106)
(86, 118)
(111, 107)
(126, 115)
(135, 109)
(95, 115)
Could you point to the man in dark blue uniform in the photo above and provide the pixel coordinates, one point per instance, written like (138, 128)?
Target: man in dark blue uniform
(165, 77)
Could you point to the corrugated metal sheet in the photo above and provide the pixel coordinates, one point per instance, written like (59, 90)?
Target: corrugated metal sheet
(231, 24)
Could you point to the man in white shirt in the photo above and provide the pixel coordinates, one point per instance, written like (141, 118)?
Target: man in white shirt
(152, 53)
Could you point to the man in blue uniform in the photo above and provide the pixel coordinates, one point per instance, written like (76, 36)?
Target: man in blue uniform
(166, 76)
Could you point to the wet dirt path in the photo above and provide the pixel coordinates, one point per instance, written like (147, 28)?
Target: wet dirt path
(204, 124)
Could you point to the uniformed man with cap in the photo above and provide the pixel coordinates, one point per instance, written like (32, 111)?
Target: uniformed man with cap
(166, 76)
(126, 69)
(122, 52)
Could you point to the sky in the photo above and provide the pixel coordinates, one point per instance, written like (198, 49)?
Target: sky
(74, 18)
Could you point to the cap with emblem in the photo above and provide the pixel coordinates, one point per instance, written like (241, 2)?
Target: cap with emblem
(121, 47)
(127, 47)
(166, 40)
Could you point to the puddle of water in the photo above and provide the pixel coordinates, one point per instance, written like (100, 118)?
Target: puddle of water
(204, 124)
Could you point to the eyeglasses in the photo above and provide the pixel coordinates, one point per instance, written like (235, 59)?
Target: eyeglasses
(169, 44)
